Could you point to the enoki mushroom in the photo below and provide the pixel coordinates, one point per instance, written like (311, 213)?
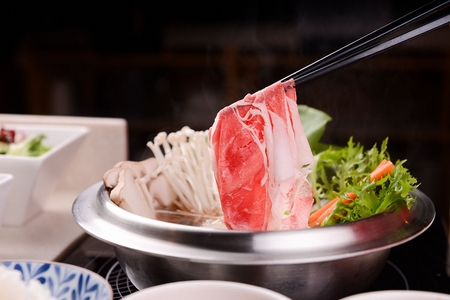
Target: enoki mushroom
(178, 177)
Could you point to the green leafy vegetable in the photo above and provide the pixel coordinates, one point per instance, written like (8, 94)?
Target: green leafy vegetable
(340, 171)
(314, 122)
(31, 146)
(4, 147)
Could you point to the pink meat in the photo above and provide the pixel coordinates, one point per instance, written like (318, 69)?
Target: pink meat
(259, 153)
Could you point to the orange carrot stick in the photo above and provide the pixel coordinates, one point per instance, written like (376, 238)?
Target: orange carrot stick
(319, 215)
(330, 208)
(326, 208)
(323, 215)
(385, 167)
(350, 195)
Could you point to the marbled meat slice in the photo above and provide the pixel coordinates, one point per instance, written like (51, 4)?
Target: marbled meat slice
(260, 155)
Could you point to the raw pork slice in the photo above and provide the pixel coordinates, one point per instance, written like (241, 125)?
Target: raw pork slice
(260, 157)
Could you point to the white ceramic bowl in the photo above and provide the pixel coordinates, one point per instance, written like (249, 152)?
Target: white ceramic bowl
(64, 281)
(36, 177)
(206, 290)
(399, 295)
(5, 188)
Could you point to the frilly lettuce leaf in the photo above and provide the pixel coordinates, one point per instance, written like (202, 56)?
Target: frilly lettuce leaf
(343, 170)
(339, 170)
(31, 146)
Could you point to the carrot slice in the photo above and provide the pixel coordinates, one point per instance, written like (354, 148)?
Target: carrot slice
(330, 208)
(350, 195)
(321, 213)
(385, 167)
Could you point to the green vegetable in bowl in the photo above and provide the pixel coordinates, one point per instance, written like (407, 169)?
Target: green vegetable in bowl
(4, 147)
(314, 122)
(31, 146)
(361, 183)
(355, 183)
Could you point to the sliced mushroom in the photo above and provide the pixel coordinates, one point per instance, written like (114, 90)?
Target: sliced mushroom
(142, 169)
(111, 178)
(161, 191)
(130, 194)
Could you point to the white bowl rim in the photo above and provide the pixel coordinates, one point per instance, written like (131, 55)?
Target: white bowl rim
(5, 177)
(216, 283)
(64, 265)
(403, 293)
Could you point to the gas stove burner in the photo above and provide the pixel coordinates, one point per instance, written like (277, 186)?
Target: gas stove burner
(119, 282)
(400, 273)
(390, 278)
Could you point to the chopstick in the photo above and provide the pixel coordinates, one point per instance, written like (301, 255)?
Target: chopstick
(376, 41)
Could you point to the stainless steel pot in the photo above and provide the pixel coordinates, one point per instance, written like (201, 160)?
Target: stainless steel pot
(316, 263)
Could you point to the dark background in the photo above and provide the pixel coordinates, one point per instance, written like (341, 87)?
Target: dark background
(165, 64)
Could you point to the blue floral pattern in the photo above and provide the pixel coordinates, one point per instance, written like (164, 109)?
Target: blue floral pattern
(65, 282)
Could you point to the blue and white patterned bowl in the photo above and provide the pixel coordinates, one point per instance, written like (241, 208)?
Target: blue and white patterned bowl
(64, 281)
